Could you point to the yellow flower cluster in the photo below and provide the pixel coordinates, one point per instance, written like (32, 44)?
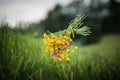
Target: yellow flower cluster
(58, 45)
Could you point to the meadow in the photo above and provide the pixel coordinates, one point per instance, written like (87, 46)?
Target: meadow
(22, 57)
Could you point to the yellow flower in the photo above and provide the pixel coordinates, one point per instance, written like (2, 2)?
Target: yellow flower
(45, 35)
(50, 44)
(63, 41)
(62, 56)
(47, 49)
(65, 37)
(67, 59)
(56, 48)
(51, 50)
(69, 32)
(45, 42)
(70, 40)
(58, 42)
(50, 40)
(67, 50)
(52, 35)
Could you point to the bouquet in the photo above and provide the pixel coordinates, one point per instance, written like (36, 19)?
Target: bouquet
(59, 43)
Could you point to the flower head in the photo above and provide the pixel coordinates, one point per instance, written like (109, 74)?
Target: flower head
(58, 45)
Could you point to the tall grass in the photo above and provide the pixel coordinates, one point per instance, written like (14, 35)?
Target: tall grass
(22, 57)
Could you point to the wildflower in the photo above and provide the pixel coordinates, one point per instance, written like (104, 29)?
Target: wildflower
(45, 35)
(50, 40)
(62, 56)
(67, 59)
(51, 50)
(56, 56)
(52, 35)
(58, 41)
(65, 37)
(46, 49)
(67, 50)
(70, 40)
(69, 32)
(58, 44)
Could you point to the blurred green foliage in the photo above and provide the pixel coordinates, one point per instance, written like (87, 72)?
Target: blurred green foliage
(22, 57)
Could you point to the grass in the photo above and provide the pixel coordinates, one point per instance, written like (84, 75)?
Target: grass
(22, 57)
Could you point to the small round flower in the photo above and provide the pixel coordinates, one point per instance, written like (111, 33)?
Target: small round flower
(45, 35)
(58, 42)
(69, 32)
(67, 59)
(67, 50)
(62, 56)
(52, 35)
(47, 49)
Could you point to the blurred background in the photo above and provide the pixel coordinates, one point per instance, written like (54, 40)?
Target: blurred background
(42, 15)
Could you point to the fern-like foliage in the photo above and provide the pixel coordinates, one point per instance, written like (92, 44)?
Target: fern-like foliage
(77, 27)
